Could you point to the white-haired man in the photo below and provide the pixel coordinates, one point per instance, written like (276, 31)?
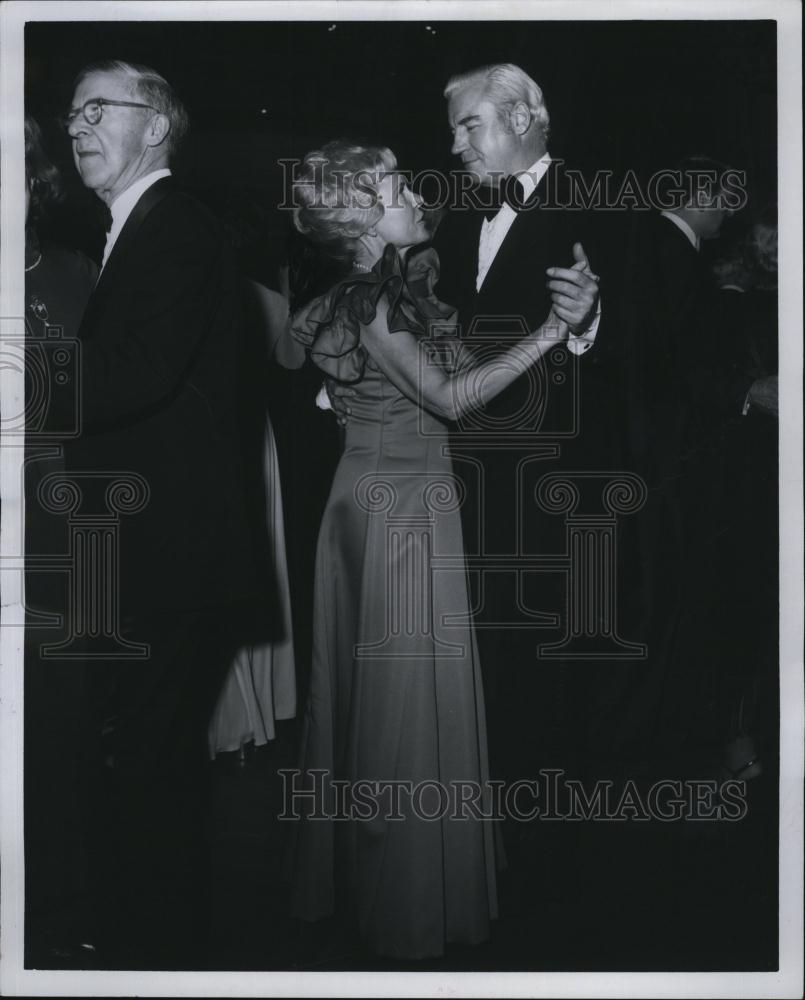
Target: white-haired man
(500, 265)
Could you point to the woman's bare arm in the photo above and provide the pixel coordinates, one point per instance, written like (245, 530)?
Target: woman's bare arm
(451, 387)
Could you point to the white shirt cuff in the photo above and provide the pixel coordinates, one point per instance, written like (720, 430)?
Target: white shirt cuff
(584, 341)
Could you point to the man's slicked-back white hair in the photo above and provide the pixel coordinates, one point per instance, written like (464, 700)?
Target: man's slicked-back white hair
(505, 85)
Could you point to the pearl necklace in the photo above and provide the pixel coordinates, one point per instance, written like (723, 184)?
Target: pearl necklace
(37, 261)
(361, 267)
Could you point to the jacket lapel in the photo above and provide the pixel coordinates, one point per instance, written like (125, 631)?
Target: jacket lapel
(531, 226)
(149, 200)
(457, 245)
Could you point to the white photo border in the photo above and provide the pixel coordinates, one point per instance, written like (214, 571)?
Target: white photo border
(787, 981)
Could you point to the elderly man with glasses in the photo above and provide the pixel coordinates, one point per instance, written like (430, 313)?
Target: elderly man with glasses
(163, 365)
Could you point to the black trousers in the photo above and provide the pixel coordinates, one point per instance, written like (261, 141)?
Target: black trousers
(58, 759)
(149, 796)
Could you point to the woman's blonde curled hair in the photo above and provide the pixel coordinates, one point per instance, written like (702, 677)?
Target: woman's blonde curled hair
(335, 195)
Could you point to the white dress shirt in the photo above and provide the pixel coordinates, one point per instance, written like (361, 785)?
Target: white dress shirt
(495, 230)
(680, 224)
(122, 207)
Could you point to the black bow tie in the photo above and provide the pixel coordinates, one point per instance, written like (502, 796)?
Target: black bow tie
(509, 192)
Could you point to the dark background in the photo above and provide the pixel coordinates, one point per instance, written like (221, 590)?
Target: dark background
(622, 95)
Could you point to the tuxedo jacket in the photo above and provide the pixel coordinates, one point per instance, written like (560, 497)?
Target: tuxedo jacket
(168, 393)
(686, 376)
(562, 415)
(579, 394)
(689, 369)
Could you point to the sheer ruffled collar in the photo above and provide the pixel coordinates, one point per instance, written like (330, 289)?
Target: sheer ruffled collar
(330, 325)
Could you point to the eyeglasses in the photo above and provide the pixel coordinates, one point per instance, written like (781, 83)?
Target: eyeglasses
(92, 110)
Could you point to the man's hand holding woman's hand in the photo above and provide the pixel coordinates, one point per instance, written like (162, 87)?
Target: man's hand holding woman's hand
(574, 292)
(574, 298)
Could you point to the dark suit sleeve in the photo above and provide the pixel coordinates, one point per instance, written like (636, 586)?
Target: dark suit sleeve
(141, 358)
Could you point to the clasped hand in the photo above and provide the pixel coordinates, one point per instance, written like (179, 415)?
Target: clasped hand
(574, 292)
(574, 301)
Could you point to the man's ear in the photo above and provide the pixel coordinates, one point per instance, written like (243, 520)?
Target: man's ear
(520, 118)
(158, 130)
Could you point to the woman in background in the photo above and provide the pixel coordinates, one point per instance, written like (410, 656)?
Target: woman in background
(58, 280)
(260, 687)
(58, 283)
